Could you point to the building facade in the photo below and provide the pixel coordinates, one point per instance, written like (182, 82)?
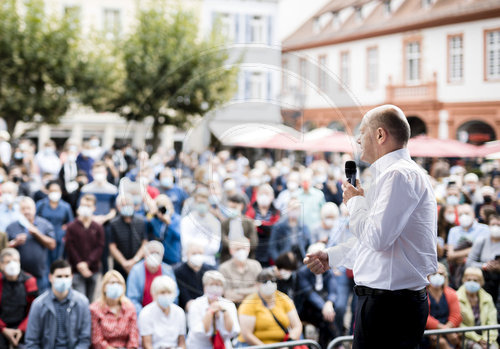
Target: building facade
(439, 60)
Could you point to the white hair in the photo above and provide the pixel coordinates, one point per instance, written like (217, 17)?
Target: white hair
(213, 275)
(163, 283)
(328, 209)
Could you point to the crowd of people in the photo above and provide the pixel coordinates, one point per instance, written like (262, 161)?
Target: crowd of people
(117, 248)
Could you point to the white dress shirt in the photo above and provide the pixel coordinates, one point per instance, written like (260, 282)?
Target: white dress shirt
(197, 338)
(204, 230)
(394, 227)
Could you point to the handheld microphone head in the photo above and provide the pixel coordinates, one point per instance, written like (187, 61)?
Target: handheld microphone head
(350, 172)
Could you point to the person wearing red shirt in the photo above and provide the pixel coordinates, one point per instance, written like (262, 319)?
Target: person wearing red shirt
(114, 321)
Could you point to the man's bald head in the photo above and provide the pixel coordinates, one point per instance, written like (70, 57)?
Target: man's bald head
(392, 119)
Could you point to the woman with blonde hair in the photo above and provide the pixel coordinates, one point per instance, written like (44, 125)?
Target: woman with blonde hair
(478, 309)
(162, 323)
(114, 321)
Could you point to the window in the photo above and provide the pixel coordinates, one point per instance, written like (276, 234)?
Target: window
(303, 73)
(413, 62)
(284, 75)
(344, 68)
(455, 58)
(257, 29)
(372, 67)
(322, 73)
(257, 85)
(493, 54)
(112, 22)
(387, 7)
(227, 25)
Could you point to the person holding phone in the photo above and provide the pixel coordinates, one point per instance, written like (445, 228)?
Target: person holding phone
(485, 254)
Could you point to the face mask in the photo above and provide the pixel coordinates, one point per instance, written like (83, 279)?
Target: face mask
(472, 286)
(268, 288)
(241, 255)
(202, 209)
(214, 292)
(48, 151)
(100, 177)
(295, 214)
(71, 157)
(286, 274)
(94, 143)
(167, 182)
(153, 260)
(436, 280)
(233, 213)
(292, 186)
(8, 199)
(165, 300)
(266, 178)
(450, 218)
(495, 231)
(62, 285)
(263, 200)
(87, 153)
(197, 259)
(254, 182)
(85, 211)
(465, 220)
(329, 222)
(54, 196)
(13, 268)
(114, 290)
(229, 185)
(18, 155)
(452, 200)
(306, 185)
(127, 211)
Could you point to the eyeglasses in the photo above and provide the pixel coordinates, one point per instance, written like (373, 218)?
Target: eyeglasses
(162, 209)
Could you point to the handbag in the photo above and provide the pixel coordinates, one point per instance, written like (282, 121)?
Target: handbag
(287, 335)
(217, 340)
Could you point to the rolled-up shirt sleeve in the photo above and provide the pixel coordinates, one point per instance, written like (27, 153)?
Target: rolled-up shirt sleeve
(379, 226)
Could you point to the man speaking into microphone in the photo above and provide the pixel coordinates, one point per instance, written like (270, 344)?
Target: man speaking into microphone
(395, 237)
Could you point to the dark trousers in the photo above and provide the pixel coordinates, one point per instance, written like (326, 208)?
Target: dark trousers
(392, 320)
(314, 316)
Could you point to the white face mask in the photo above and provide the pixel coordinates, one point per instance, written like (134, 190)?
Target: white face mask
(13, 268)
(268, 288)
(153, 260)
(329, 222)
(214, 291)
(292, 186)
(85, 211)
(450, 218)
(197, 260)
(465, 220)
(241, 255)
(263, 200)
(495, 231)
(452, 200)
(54, 196)
(8, 199)
(286, 274)
(100, 177)
(436, 280)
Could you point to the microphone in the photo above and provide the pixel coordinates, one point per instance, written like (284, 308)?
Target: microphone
(350, 172)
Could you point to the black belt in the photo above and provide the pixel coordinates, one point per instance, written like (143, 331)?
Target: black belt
(367, 291)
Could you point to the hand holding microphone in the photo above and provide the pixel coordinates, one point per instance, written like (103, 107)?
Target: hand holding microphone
(352, 186)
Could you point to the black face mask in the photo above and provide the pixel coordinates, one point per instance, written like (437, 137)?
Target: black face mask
(17, 179)
(487, 199)
(162, 209)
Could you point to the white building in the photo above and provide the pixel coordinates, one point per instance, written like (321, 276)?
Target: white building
(439, 60)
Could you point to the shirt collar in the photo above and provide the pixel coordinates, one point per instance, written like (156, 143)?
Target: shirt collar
(54, 298)
(389, 159)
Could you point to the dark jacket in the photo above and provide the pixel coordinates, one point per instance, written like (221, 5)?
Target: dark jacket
(281, 241)
(306, 291)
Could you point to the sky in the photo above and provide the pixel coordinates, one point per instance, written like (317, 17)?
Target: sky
(293, 13)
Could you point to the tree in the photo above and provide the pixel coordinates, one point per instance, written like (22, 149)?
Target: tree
(42, 65)
(170, 73)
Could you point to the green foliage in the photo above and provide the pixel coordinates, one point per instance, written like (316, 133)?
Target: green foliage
(170, 72)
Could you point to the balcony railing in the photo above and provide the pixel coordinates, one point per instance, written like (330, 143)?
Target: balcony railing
(411, 93)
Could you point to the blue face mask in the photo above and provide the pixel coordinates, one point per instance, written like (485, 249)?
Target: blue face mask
(114, 290)
(62, 285)
(167, 182)
(127, 211)
(201, 208)
(472, 286)
(137, 199)
(165, 300)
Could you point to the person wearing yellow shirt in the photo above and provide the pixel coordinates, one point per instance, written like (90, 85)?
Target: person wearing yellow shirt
(264, 316)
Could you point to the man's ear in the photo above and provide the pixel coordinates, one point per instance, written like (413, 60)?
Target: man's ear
(381, 135)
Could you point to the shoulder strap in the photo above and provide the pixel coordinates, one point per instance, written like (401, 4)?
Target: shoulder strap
(274, 316)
